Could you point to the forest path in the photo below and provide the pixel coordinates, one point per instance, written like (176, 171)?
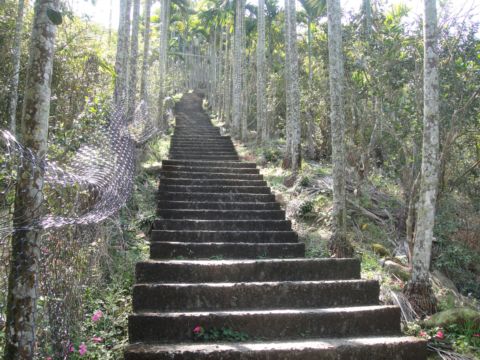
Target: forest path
(228, 278)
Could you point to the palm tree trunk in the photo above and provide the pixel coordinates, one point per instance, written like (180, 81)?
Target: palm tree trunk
(228, 81)
(238, 54)
(146, 51)
(293, 151)
(244, 82)
(419, 290)
(311, 123)
(339, 245)
(164, 16)
(25, 255)
(122, 53)
(132, 78)
(261, 75)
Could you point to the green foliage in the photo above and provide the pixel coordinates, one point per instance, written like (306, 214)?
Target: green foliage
(54, 16)
(462, 338)
(452, 257)
(306, 209)
(370, 263)
(457, 262)
(218, 334)
(272, 154)
(305, 181)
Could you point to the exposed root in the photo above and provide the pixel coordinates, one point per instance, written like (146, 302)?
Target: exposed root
(421, 297)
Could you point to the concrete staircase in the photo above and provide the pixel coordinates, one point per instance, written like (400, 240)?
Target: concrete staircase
(223, 256)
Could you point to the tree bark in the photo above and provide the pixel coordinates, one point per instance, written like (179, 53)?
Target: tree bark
(228, 81)
(419, 290)
(16, 52)
(24, 263)
(244, 81)
(261, 75)
(310, 119)
(164, 24)
(132, 74)
(339, 244)
(237, 70)
(146, 51)
(293, 151)
(120, 93)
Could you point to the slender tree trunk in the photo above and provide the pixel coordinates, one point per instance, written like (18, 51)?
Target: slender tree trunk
(132, 75)
(293, 151)
(261, 75)
(110, 22)
(146, 51)
(419, 290)
(122, 54)
(24, 263)
(339, 245)
(164, 18)
(16, 52)
(244, 82)
(367, 17)
(238, 54)
(311, 123)
(220, 76)
(228, 82)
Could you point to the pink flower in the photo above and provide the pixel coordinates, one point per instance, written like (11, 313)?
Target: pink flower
(49, 358)
(197, 330)
(97, 315)
(97, 339)
(71, 348)
(476, 335)
(440, 335)
(422, 333)
(82, 349)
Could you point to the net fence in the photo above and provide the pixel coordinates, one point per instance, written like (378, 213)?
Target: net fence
(73, 213)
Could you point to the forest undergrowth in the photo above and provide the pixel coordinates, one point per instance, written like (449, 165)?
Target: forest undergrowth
(98, 313)
(375, 216)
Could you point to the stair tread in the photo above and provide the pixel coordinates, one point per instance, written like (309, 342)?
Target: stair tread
(256, 283)
(294, 344)
(254, 312)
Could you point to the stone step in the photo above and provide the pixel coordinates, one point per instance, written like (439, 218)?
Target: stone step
(215, 189)
(254, 295)
(224, 236)
(194, 131)
(193, 151)
(349, 348)
(209, 175)
(205, 157)
(215, 169)
(202, 133)
(232, 197)
(230, 225)
(186, 145)
(213, 271)
(218, 205)
(193, 250)
(193, 155)
(224, 156)
(211, 164)
(197, 138)
(202, 146)
(211, 182)
(221, 214)
(273, 324)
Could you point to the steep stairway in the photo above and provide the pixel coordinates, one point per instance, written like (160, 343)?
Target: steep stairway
(223, 256)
